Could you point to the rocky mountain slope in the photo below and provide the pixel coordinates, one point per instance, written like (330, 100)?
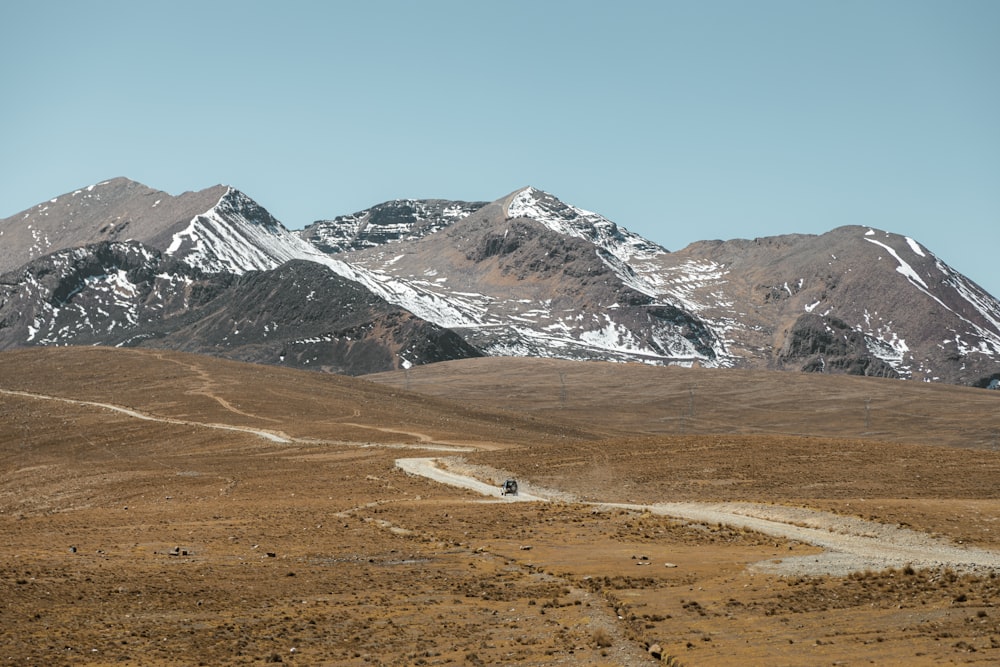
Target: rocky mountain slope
(401, 219)
(417, 281)
(855, 300)
(218, 229)
(300, 314)
(529, 275)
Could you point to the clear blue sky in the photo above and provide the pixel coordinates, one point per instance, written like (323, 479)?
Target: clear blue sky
(681, 121)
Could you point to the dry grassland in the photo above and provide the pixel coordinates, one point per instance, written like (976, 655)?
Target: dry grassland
(168, 540)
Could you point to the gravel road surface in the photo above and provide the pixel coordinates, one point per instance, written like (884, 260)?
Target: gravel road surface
(850, 544)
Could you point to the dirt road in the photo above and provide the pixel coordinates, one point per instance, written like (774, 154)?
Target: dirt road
(851, 544)
(430, 469)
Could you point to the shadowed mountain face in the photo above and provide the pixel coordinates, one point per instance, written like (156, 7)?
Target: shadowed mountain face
(416, 281)
(125, 294)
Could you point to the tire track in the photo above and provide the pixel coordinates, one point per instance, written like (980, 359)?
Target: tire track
(262, 433)
(280, 437)
(207, 388)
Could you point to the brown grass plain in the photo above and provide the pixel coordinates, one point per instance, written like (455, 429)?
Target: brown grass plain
(164, 537)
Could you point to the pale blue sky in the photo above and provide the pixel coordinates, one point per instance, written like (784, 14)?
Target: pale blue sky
(681, 121)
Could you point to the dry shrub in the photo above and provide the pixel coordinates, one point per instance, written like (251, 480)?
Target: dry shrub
(601, 638)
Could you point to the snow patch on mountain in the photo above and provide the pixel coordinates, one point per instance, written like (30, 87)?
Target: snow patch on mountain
(389, 222)
(683, 283)
(609, 342)
(237, 235)
(981, 302)
(612, 336)
(984, 304)
(915, 247)
(887, 346)
(904, 268)
(987, 306)
(456, 310)
(698, 286)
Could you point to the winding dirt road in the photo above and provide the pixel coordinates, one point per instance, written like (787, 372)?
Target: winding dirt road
(850, 544)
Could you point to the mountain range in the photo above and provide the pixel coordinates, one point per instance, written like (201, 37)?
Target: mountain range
(412, 282)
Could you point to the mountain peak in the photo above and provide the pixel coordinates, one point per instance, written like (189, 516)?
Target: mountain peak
(562, 218)
(116, 209)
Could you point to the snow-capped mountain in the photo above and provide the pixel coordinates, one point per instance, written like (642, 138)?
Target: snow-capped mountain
(236, 235)
(526, 274)
(852, 300)
(626, 248)
(529, 275)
